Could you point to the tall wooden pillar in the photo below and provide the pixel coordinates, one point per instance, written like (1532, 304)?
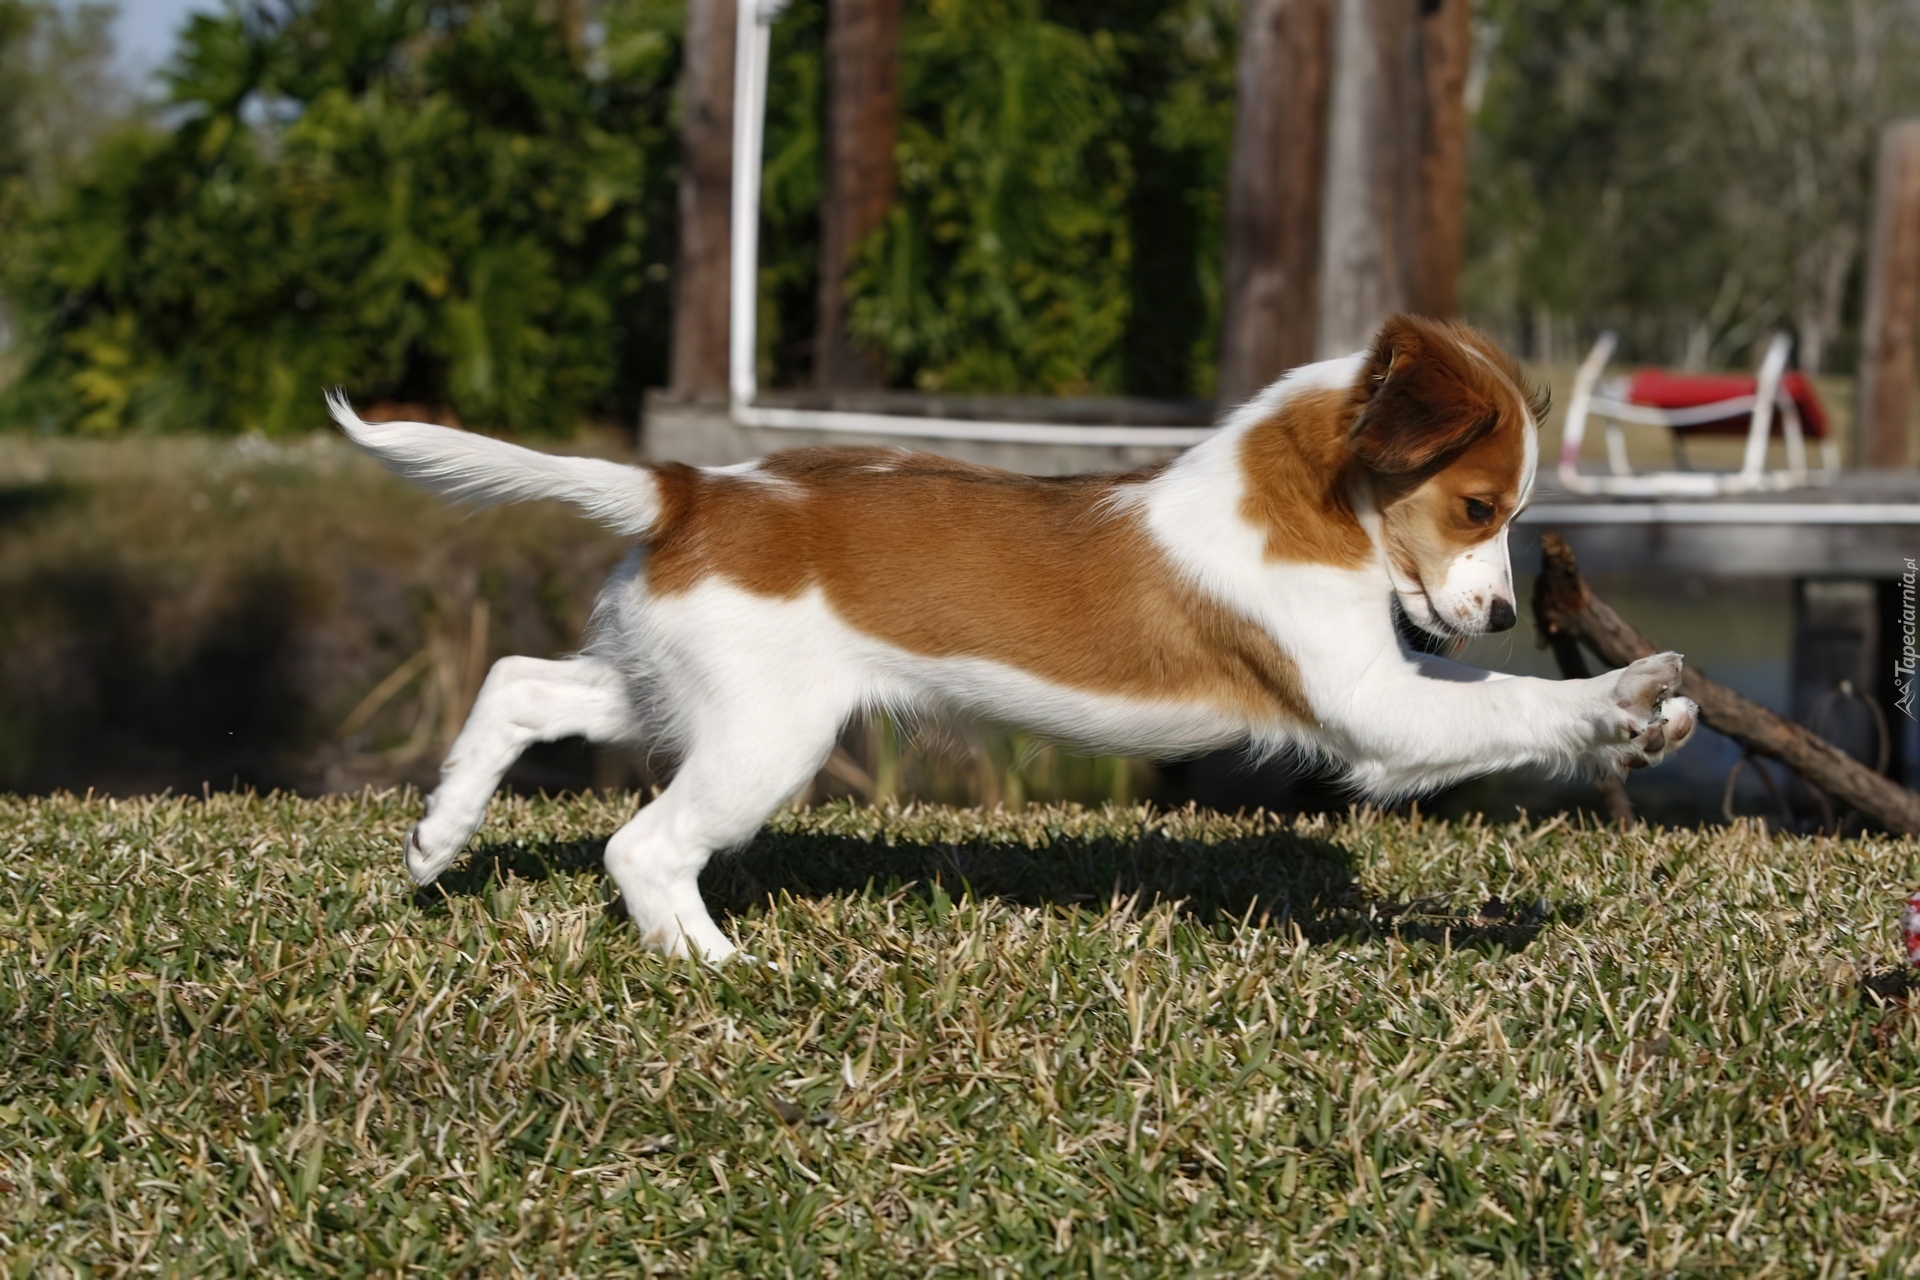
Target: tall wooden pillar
(863, 110)
(1892, 329)
(1396, 179)
(1276, 186)
(1438, 237)
(701, 269)
(1369, 172)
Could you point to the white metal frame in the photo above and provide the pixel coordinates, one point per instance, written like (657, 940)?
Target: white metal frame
(752, 41)
(1608, 402)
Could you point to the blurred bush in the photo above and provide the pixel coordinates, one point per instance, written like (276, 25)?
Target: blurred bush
(1061, 176)
(464, 204)
(1061, 169)
(470, 204)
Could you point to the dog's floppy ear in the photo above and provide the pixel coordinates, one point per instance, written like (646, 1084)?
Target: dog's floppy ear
(1425, 402)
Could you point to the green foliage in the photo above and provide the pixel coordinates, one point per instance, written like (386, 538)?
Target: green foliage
(470, 202)
(1057, 222)
(432, 201)
(791, 186)
(463, 202)
(1061, 171)
(1004, 262)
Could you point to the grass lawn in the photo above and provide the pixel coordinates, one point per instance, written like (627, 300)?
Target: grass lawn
(233, 1039)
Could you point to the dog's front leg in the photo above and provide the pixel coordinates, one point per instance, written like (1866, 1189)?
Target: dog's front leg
(1414, 723)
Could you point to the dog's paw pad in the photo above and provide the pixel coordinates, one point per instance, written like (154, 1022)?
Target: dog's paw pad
(1660, 737)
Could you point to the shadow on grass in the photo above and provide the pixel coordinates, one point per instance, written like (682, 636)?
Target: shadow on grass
(1281, 878)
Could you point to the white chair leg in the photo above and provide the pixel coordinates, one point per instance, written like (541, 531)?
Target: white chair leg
(1796, 440)
(1574, 430)
(1617, 449)
(1766, 390)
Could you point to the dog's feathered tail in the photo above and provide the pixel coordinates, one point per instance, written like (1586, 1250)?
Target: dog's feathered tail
(482, 472)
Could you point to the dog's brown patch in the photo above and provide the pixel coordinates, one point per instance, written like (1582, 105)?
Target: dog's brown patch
(1439, 415)
(1298, 494)
(1051, 576)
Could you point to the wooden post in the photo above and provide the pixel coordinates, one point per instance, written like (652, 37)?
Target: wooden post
(1396, 180)
(699, 366)
(1369, 172)
(1887, 343)
(1275, 190)
(1439, 234)
(863, 108)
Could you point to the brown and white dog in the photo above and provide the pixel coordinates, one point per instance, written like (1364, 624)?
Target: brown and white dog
(1242, 594)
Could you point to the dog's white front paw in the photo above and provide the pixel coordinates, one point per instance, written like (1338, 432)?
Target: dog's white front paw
(1646, 718)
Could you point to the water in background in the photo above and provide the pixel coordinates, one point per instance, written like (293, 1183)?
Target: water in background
(1739, 631)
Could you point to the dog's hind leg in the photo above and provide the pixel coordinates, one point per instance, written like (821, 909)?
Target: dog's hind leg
(738, 770)
(524, 701)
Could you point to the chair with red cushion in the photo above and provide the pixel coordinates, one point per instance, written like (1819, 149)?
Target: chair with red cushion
(1772, 402)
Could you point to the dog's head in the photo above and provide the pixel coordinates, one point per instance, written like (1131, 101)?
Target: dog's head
(1447, 440)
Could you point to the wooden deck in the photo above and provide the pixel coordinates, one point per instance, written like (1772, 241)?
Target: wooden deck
(1865, 525)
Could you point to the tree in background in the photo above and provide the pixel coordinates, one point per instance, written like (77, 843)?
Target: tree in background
(472, 203)
(703, 257)
(1692, 173)
(1061, 174)
(459, 202)
(1275, 193)
(57, 96)
(57, 91)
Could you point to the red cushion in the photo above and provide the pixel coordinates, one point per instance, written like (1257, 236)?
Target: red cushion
(1658, 389)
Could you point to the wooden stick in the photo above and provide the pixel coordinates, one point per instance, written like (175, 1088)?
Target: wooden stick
(1566, 607)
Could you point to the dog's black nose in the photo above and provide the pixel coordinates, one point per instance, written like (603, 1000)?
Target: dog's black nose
(1501, 616)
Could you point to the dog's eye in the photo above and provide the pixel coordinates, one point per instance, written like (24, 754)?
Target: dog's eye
(1479, 512)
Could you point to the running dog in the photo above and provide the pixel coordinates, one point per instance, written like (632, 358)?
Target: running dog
(1243, 594)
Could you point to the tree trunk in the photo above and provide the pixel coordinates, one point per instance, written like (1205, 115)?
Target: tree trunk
(863, 109)
(701, 270)
(1439, 234)
(1396, 180)
(1370, 172)
(1275, 192)
(1893, 300)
